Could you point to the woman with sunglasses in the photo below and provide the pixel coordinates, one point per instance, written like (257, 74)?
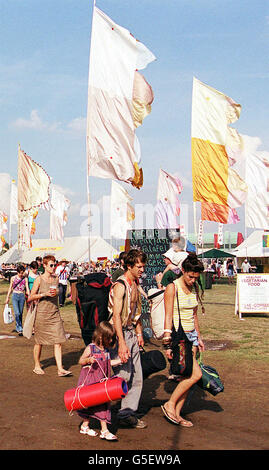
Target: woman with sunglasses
(48, 325)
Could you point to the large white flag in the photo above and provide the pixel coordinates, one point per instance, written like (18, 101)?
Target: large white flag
(118, 100)
(58, 214)
(121, 213)
(168, 207)
(257, 179)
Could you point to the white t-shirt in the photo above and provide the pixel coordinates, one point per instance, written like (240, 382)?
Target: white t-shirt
(63, 274)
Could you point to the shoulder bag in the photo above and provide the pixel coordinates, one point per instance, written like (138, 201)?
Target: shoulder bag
(182, 359)
(29, 321)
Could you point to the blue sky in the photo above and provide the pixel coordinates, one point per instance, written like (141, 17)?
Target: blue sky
(44, 60)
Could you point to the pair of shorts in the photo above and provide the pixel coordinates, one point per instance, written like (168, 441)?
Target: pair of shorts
(193, 337)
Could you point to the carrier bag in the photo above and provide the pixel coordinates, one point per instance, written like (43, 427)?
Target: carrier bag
(92, 303)
(210, 380)
(8, 315)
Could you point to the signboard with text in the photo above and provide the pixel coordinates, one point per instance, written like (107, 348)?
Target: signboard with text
(252, 293)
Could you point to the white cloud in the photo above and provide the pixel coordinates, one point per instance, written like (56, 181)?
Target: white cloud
(77, 124)
(35, 122)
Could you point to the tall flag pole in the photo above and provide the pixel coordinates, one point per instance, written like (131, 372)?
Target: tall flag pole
(216, 184)
(119, 98)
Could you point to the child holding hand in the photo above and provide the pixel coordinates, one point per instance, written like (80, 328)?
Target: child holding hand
(96, 365)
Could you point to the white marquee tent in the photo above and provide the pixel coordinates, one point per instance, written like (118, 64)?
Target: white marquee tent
(252, 247)
(73, 249)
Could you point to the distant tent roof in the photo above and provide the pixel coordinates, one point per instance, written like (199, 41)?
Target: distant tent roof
(214, 253)
(252, 247)
(73, 249)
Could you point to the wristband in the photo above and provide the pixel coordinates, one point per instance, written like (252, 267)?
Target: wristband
(138, 334)
(167, 330)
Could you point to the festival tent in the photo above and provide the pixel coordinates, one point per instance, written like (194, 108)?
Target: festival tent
(72, 248)
(252, 247)
(215, 253)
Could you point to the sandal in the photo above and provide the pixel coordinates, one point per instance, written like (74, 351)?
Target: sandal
(108, 436)
(168, 416)
(88, 431)
(38, 371)
(65, 373)
(185, 423)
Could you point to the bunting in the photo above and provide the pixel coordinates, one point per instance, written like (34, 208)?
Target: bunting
(119, 98)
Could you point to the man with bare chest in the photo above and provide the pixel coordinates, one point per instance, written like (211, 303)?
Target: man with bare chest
(125, 309)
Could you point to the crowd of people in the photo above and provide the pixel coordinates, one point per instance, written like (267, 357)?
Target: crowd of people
(115, 344)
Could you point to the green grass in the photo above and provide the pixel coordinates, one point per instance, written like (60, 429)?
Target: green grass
(247, 339)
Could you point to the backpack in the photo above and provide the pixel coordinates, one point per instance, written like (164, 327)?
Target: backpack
(92, 303)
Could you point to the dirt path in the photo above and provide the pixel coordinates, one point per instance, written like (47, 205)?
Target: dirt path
(33, 415)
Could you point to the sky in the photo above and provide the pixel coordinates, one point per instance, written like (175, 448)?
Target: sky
(44, 65)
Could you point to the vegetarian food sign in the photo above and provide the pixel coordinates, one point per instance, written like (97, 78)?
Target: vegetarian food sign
(252, 293)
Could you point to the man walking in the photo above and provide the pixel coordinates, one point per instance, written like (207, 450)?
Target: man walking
(125, 310)
(62, 271)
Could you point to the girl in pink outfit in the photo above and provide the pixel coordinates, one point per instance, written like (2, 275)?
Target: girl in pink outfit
(96, 365)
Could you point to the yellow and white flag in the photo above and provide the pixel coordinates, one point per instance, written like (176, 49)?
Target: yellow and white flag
(215, 183)
(33, 192)
(33, 183)
(121, 211)
(118, 99)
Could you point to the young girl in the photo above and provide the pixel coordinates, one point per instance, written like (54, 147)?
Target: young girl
(95, 362)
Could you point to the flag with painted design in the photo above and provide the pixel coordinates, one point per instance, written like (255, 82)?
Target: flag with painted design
(119, 98)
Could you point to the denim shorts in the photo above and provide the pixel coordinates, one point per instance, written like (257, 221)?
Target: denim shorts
(193, 337)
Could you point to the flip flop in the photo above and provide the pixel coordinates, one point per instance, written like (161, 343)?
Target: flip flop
(185, 423)
(38, 371)
(166, 414)
(65, 373)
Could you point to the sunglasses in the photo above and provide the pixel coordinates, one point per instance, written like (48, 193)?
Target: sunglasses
(52, 265)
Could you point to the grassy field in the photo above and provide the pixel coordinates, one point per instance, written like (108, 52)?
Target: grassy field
(245, 339)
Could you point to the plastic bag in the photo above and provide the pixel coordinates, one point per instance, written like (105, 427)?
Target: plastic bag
(8, 315)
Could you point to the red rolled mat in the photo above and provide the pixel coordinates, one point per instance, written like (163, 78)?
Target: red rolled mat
(95, 394)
